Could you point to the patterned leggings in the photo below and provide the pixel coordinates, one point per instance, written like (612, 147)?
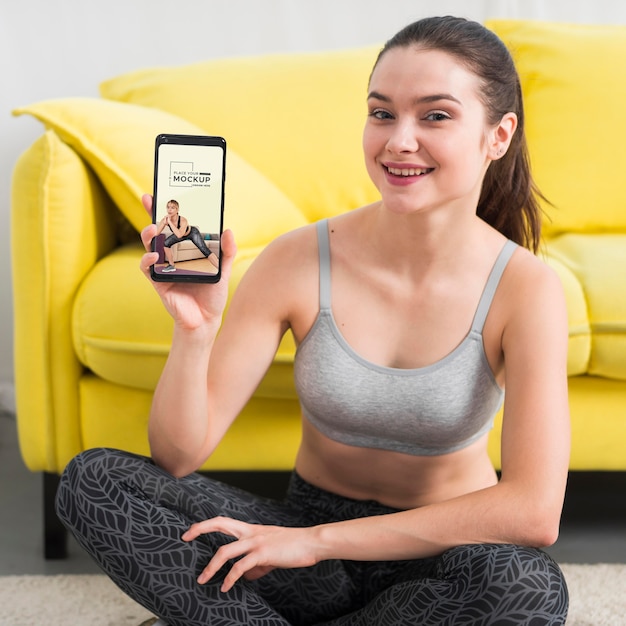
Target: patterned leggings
(194, 236)
(129, 515)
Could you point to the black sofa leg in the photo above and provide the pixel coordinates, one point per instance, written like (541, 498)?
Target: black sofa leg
(55, 535)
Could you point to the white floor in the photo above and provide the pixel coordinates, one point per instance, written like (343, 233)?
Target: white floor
(593, 528)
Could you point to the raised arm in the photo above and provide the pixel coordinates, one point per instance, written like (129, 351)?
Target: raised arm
(208, 377)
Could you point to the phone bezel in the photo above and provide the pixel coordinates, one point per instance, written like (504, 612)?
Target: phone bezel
(190, 140)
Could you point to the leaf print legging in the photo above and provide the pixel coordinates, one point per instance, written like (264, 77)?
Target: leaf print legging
(130, 514)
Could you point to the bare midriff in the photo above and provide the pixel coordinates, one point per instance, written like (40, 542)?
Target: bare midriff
(394, 479)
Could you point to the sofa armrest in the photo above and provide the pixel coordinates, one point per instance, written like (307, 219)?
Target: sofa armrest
(62, 223)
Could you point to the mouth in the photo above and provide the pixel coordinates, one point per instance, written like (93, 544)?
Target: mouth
(405, 176)
(408, 172)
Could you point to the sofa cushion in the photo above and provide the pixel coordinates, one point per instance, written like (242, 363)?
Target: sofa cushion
(264, 436)
(298, 118)
(572, 81)
(117, 141)
(122, 332)
(599, 264)
(579, 329)
(120, 329)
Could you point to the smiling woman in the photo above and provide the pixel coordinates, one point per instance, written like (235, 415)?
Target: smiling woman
(427, 127)
(400, 123)
(411, 315)
(431, 99)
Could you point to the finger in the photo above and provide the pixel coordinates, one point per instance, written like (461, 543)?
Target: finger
(146, 200)
(147, 261)
(224, 525)
(229, 247)
(245, 568)
(147, 235)
(239, 569)
(258, 572)
(225, 553)
(229, 251)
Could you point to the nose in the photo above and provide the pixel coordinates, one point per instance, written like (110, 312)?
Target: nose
(403, 137)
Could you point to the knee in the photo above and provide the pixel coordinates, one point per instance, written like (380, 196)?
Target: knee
(526, 579)
(85, 480)
(70, 488)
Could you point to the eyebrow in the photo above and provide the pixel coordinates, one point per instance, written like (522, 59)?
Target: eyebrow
(424, 99)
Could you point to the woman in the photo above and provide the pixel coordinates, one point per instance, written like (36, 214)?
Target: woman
(180, 230)
(411, 315)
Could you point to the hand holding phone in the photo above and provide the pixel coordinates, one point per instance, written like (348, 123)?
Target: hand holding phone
(191, 305)
(188, 207)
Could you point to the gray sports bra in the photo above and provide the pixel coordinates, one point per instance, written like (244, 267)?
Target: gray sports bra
(429, 410)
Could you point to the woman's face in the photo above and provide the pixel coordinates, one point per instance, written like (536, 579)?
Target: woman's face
(426, 142)
(172, 209)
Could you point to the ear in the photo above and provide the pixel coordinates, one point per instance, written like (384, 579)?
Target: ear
(500, 136)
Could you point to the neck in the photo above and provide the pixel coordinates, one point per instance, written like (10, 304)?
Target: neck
(424, 240)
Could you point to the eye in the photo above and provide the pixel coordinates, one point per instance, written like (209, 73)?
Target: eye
(437, 116)
(380, 114)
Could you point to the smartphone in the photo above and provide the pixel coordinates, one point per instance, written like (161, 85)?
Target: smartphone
(188, 207)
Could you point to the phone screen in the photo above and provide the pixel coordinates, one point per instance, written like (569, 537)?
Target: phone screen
(188, 207)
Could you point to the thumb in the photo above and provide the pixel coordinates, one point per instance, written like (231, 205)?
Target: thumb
(228, 245)
(228, 252)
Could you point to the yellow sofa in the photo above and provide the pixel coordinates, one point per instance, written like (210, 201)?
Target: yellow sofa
(90, 334)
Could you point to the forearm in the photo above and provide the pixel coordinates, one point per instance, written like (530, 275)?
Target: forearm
(492, 515)
(499, 514)
(179, 418)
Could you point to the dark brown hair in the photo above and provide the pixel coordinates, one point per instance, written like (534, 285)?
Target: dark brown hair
(509, 199)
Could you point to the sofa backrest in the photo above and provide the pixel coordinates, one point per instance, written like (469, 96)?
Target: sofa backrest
(296, 118)
(574, 85)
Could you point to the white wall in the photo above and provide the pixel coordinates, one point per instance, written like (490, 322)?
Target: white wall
(65, 48)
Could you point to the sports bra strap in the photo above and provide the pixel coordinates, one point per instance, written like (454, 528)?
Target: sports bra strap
(492, 284)
(486, 298)
(323, 245)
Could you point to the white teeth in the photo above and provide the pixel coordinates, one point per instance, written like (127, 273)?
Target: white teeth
(409, 172)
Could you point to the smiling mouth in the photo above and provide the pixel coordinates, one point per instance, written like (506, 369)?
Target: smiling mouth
(409, 171)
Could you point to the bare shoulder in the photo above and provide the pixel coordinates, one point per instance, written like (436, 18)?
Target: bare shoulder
(288, 255)
(284, 275)
(533, 296)
(294, 243)
(532, 278)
